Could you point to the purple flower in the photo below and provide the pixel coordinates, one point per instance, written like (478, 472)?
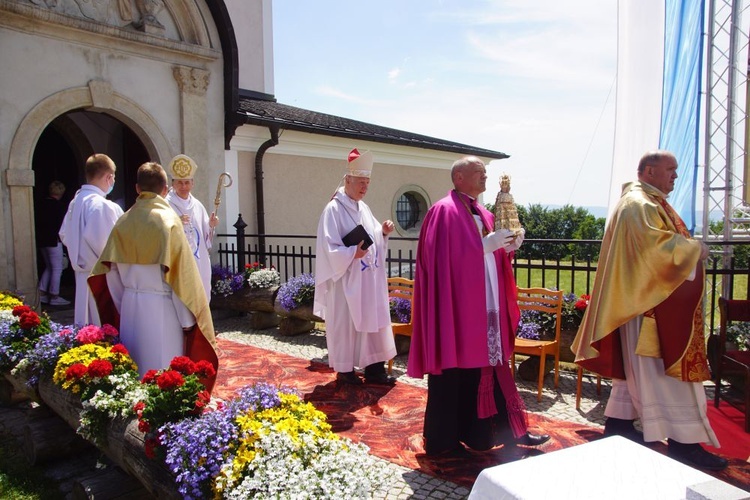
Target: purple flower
(43, 357)
(528, 327)
(16, 342)
(297, 292)
(260, 396)
(197, 448)
(400, 309)
(225, 282)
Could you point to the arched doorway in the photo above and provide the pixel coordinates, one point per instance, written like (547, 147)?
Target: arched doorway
(60, 155)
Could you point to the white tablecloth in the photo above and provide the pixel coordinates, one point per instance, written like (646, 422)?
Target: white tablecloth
(609, 468)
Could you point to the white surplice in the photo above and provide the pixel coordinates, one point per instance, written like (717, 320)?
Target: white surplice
(667, 407)
(151, 315)
(198, 233)
(84, 231)
(351, 295)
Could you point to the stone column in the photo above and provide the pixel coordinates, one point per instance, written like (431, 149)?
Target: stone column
(193, 83)
(20, 186)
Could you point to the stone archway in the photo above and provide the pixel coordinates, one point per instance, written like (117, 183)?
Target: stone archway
(98, 96)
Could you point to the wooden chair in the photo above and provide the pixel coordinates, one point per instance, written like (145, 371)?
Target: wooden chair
(545, 301)
(732, 362)
(401, 288)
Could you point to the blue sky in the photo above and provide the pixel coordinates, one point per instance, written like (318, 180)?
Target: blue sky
(532, 79)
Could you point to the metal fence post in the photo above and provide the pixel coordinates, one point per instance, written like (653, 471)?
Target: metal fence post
(240, 226)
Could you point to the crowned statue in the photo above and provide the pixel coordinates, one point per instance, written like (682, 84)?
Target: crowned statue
(506, 215)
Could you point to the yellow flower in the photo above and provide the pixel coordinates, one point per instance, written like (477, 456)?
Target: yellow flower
(8, 302)
(85, 354)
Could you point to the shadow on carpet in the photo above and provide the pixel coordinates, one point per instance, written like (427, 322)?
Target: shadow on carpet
(389, 419)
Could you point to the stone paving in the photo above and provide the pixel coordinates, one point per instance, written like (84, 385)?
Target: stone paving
(411, 484)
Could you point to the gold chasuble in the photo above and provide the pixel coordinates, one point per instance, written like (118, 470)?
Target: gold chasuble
(646, 257)
(160, 237)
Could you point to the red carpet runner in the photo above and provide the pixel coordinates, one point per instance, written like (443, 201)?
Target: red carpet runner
(389, 419)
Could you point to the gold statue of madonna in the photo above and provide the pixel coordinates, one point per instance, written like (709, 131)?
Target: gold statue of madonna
(506, 215)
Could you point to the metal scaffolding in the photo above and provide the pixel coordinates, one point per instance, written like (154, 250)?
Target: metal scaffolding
(725, 123)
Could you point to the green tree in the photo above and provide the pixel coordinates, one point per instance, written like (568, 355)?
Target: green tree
(740, 253)
(566, 223)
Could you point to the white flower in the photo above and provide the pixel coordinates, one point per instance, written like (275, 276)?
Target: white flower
(6, 315)
(223, 287)
(315, 468)
(264, 278)
(126, 391)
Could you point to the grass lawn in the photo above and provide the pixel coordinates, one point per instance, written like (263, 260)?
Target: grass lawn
(21, 481)
(578, 282)
(581, 281)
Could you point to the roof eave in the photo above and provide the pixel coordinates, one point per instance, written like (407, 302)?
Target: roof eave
(250, 119)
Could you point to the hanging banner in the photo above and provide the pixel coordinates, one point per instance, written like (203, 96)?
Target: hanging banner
(659, 65)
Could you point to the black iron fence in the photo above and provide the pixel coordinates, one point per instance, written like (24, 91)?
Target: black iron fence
(558, 267)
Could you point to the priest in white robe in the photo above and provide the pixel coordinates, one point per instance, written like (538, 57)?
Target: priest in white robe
(146, 283)
(351, 291)
(85, 229)
(195, 220)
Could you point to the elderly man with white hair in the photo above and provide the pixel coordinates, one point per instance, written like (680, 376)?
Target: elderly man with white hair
(351, 291)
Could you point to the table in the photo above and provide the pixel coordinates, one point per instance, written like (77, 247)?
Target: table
(611, 468)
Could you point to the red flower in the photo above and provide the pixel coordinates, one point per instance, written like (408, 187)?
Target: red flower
(149, 377)
(138, 408)
(205, 369)
(149, 447)
(143, 426)
(201, 401)
(582, 303)
(29, 320)
(169, 380)
(19, 310)
(100, 368)
(76, 371)
(119, 349)
(183, 364)
(110, 331)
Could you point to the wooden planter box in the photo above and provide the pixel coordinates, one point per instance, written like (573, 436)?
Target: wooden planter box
(566, 341)
(14, 389)
(248, 300)
(124, 442)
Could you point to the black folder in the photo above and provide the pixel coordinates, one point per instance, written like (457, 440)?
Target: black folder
(355, 236)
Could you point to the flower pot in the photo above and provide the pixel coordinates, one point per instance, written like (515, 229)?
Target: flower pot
(566, 342)
(124, 442)
(14, 389)
(403, 343)
(247, 300)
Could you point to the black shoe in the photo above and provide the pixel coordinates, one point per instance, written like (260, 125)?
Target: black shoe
(348, 378)
(530, 439)
(380, 379)
(694, 455)
(621, 427)
(458, 451)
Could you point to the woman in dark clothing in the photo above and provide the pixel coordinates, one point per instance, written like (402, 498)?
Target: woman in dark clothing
(51, 214)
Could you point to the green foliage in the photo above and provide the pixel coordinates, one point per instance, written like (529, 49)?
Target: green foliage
(566, 223)
(21, 481)
(740, 253)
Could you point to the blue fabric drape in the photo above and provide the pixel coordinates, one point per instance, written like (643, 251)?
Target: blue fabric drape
(680, 115)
